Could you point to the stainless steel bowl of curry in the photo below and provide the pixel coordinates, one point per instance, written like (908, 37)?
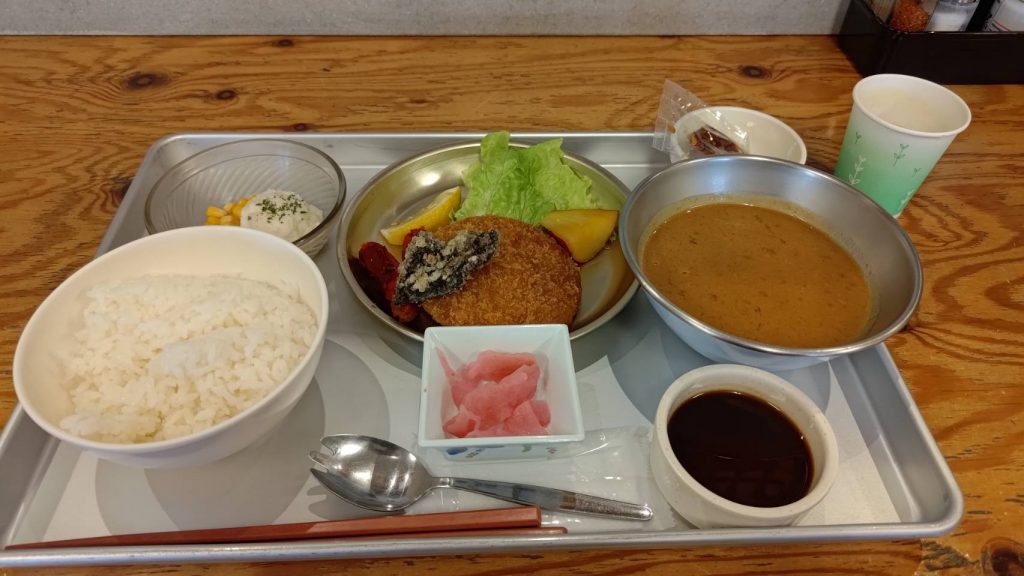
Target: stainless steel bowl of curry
(768, 263)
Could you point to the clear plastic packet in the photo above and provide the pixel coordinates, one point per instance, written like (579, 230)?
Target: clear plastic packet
(686, 127)
(609, 462)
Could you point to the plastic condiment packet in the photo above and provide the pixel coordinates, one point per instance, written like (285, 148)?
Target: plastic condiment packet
(706, 131)
(609, 463)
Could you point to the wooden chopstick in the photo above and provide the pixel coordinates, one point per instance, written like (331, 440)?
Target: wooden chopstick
(501, 520)
(541, 531)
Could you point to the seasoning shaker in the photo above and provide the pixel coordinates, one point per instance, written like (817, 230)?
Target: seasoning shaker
(911, 15)
(1006, 16)
(882, 8)
(952, 15)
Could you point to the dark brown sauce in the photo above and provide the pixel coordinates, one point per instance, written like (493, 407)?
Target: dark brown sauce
(741, 448)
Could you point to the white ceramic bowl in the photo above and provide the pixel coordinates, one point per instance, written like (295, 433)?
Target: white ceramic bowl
(460, 345)
(702, 507)
(766, 135)
(195, 250)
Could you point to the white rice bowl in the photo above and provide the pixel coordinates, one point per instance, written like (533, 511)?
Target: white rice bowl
(177, 349)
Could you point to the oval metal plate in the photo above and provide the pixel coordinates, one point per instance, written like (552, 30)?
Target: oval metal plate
(404, 187)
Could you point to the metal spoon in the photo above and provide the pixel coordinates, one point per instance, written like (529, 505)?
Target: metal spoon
(378, 475)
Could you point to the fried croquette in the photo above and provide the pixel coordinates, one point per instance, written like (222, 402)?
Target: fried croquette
(531, 279)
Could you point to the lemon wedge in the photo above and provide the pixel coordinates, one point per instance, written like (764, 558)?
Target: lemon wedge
(431, 217)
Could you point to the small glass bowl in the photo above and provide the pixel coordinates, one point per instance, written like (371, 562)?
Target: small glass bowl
(235, 170)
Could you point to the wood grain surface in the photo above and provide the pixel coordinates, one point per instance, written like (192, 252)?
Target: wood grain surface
(77, 115)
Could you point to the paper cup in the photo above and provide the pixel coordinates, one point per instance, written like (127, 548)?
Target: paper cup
(899, 128)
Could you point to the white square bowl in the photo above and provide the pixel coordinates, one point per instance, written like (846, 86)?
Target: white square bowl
(557, 385)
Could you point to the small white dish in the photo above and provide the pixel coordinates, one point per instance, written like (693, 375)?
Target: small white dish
(702, 507)
(460, 345)
(767, 135)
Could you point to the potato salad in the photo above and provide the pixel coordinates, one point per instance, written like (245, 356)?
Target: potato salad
(281, 213)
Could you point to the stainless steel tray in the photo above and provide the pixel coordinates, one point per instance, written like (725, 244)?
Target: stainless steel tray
(894, 483)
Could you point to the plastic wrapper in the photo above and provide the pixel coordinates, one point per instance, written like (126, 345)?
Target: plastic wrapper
(686, 127)
(609, 463)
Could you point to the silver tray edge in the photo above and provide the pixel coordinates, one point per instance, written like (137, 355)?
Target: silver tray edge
(19, 424)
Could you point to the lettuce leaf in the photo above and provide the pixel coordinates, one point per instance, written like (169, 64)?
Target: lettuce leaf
(522, 183)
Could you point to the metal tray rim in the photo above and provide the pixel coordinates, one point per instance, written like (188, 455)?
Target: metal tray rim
(413, 547)
(379, 548)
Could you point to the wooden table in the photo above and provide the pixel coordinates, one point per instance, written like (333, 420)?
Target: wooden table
(77, 115)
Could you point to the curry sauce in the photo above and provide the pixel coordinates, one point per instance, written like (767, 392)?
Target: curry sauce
(760, 274)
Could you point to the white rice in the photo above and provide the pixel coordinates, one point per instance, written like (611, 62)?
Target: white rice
(161, 357)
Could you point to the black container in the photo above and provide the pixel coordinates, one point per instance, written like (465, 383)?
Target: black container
(944, 57)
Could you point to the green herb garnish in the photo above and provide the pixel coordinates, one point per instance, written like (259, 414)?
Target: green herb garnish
(291, 204)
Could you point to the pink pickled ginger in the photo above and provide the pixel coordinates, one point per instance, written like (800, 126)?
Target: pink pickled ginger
(495, 396)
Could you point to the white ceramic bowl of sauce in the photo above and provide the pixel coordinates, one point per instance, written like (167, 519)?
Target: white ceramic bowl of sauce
(706, 509)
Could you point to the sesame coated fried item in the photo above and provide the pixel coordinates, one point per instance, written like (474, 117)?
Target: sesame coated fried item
(530, 280)
(433, 268)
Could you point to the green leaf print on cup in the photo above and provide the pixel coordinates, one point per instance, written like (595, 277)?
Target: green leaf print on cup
(857, 169)
(897, 156)
(888, 172)
(899, 127)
